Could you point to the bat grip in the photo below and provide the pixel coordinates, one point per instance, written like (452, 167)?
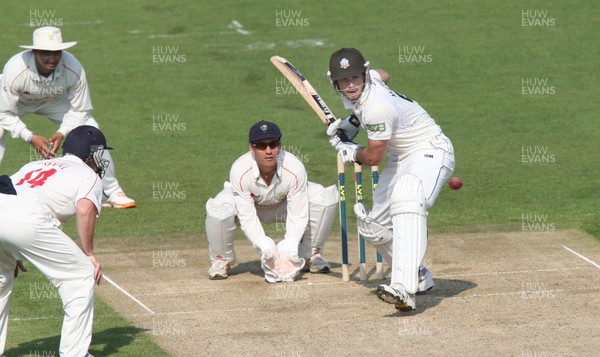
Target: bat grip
(340, 134)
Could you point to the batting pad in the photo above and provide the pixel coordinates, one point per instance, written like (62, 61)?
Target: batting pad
(409, 219)
(220, 230)
(322, 211)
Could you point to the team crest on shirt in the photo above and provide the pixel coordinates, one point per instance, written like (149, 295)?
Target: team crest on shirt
(344, 63)
(281, 195)
(375, 127)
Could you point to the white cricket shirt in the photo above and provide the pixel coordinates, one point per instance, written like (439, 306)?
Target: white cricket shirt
(387, 115)
(289, 185)
(59, 184)
(24, 90)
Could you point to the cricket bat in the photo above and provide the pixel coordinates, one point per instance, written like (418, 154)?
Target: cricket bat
(315, 101)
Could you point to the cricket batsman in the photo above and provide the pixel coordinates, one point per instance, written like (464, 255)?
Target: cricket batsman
(420, 161)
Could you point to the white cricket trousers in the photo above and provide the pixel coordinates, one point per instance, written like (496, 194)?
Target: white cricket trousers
(433, 166)
(430, 167)
(28, 231)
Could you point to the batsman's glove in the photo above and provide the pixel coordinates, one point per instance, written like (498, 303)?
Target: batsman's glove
(349, 126)
(346, 150)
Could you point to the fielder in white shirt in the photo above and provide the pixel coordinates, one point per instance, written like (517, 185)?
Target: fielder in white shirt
(268, 185)
(420, 161)
(44, 194)
(51, 82)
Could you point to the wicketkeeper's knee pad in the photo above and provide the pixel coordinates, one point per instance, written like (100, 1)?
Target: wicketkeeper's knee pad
(371, 230)
(322, 212)
(220, 229)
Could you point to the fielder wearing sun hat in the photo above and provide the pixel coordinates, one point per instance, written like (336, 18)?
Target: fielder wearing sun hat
(264, 130)
(48, 38)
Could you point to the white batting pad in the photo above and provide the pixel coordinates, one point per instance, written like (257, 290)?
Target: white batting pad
(322, 212)
(220, 230)
(409, 219)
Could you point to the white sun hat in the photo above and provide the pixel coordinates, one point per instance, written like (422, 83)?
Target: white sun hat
(48, 39)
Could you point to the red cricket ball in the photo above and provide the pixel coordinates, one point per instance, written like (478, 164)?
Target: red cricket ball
(455, 183)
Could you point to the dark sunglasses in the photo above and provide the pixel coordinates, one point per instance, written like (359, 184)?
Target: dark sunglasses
(263, 146)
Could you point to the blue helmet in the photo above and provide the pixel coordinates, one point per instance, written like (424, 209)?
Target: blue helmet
(86, 142)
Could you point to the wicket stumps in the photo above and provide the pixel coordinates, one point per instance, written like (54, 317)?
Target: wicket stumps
(343, 221)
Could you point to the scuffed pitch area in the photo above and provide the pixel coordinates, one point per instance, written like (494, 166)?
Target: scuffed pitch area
(520, 294)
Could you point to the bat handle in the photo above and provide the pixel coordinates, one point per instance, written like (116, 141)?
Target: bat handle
(340, 133)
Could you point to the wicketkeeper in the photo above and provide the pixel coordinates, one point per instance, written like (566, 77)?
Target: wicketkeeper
(268, 185)
(420, 161)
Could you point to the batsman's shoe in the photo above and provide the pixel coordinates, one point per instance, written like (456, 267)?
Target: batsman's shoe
(425, 280)
(119, 199)
(318, 265)
(397, 296)
(219, 269)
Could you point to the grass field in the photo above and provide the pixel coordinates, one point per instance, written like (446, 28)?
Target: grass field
(176, 85)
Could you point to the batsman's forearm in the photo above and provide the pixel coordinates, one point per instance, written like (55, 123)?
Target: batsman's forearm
(373, 154)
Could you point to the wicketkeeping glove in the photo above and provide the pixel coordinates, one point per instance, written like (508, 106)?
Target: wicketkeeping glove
(349, 126)
(346, 151)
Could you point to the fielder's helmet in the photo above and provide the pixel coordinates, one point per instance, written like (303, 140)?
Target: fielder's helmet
(85, 141)
(346, 62)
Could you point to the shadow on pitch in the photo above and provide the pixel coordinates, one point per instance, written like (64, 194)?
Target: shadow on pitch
(252, 267)
(104, 343)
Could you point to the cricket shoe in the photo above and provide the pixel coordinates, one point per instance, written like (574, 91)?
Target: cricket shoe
(318, 265)
(219, 269)
(119, 199)
(397, 296)
(425, 280)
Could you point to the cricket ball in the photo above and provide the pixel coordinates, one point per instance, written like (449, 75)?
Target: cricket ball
(455, 183)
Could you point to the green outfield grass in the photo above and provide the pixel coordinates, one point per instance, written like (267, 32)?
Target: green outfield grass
(176, 85)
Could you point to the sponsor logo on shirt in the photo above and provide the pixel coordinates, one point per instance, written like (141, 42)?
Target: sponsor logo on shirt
(375, 127)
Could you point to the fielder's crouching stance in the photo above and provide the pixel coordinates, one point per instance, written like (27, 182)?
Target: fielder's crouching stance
(420, 161)
(36, 201)
(268, 185)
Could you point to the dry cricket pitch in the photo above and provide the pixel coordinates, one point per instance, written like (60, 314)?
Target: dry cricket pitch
(507, 293)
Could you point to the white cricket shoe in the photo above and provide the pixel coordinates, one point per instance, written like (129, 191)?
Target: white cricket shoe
(425, 280)
(318, 265)
(397, 296)
(119, 199)
(219, 269)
